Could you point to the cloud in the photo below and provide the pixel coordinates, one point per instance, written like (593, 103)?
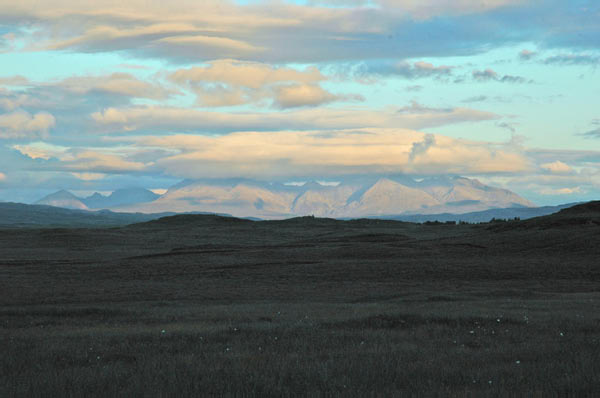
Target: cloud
(278, 31)
(297, 95)
(526, 55)
(21, 124)
(41, 150)
(573, 59)
(561, 191)
(557, 167)
(489, 74)
(245, 74)
(421, 147)
(89, 176)
(2, 177)
(12, 102)
(162, 119)
(508, 126)
(414, 88)
(576, 158)
(403, 69)
(477, 98)
(16, 80)
(231, 82)
(595, 133)
(333, 153)
(82, 160)
(123, 84)
(97, 162)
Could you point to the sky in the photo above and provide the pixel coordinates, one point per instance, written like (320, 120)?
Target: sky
(97, 96)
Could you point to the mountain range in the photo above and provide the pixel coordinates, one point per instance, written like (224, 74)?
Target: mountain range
(120, 197)
(390, 196)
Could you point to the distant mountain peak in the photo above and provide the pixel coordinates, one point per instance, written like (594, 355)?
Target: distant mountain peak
(63, 198)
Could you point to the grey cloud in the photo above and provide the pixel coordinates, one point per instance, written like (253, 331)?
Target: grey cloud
(508, 126)
(592, 133)
(406, 70)
(415, 108)
(526, 55)
(485, 75)
(477, 98)
(491, 75)
(573, 59)
(420, 148)
(414, 88)
(513, 79)
(576, 158)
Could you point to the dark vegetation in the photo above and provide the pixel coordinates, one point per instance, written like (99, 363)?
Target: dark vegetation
(207, 305)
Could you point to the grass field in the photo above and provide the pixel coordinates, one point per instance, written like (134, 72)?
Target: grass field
(203, 305)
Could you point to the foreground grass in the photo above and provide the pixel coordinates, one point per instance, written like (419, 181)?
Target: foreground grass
(192, 306)
(427, 347)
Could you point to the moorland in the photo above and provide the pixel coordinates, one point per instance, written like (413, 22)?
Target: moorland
(193, 305)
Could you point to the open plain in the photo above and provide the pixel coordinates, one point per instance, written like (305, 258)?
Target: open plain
(205, 305)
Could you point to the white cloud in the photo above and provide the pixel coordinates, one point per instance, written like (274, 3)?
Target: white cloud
(21, 124)
(561, 191)
(297, 95)
(231, 82)
(161, 119)
(253, 75)
(123, 84)
(98, 162)
(41, 150)
(89, 176)
(84, 163)
(557, 167)
(298, 154)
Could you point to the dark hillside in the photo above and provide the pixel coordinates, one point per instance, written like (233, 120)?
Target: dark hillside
(585, 214)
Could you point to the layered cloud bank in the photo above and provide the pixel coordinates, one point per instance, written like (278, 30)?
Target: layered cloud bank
(109, 94)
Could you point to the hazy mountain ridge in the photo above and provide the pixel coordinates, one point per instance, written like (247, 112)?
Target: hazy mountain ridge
(120, 197)
(388, 196)
(384, 196)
